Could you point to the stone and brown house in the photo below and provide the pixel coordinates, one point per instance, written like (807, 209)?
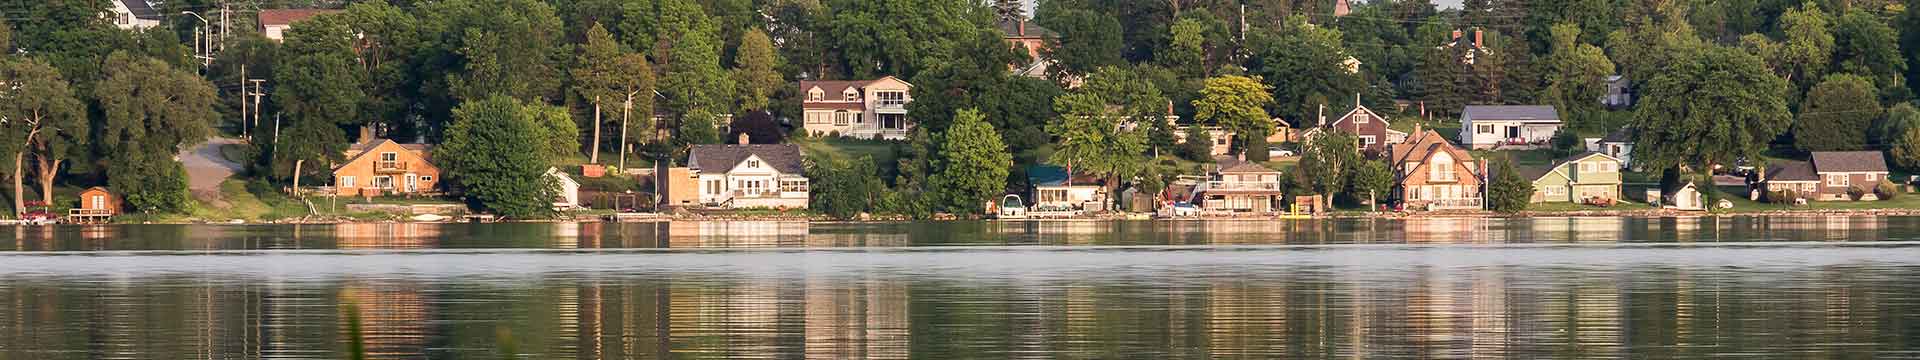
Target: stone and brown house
(378, 166)
(1830, 176)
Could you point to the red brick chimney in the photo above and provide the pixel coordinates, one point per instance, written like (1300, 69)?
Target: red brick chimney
(1456, 34)
(1478, 40)
(1022, 25)
(744, 140)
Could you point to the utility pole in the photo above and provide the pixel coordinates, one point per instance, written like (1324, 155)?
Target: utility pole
(226, 24)
(244, 94)
(258, 93)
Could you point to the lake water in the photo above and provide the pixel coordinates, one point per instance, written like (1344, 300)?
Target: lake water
(1833, 287)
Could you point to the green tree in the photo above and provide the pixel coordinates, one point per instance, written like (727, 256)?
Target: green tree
(1301, 62)
(1906, 149)
(1439, 81)
(1577, 72)
(973, 164)
(1808, 49)
(559, 135)
(511, 47)
(386, 40)
(1090, 138)
(6, 38)
(317, 90)
(1087, 41)
(600, 79)
(1718, 105)
(1371, 181)
(694, 78)
(845, 189)
(151, 110)
(1236, 103)
(1326, 163)
(1899, 118)
(1838, 112)
(697, 127)
(486, 154)
(1198, 145)
(1509, 192)
(1186, 52)
(44, 121)
(905, 37)
(1867, 46)
(754, 70)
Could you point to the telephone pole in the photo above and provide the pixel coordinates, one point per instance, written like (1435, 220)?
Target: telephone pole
(257, 94)
(244, 93)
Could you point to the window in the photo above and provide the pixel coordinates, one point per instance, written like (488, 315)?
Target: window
(753, 164)
(1441, 169)
(819, 118)
(1586, 167)
(1360, 117)
(1366, 141)
(387, 156)
(383, 182)
(426, 178)
(851, 95)
(713, 187)
(1838, 180)
(1426, 192)
(99, 202)
(842, 118)
(892, 98)
(1869, 177)
(1483, 129)
(858, 119)
(1556, 190)
(346, 181)
(816, 95)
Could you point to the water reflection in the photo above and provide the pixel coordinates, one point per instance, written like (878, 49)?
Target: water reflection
(1423, 288)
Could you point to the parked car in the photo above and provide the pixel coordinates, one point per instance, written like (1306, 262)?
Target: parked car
(1279, 153)
(1183, 209)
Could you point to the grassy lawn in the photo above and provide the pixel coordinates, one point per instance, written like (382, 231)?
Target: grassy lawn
(245, 204)
(1520, 158)
(1738, 196)
(846, 149)
(1562, 206)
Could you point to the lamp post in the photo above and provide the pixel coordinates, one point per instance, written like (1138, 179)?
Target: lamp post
(203, 45)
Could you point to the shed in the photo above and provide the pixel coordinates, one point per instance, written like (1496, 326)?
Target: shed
(566, 190)
(97, 204)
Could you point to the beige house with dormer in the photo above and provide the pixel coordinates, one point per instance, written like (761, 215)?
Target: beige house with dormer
(864, 109)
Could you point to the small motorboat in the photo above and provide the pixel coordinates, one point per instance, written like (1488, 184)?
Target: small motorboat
(1011, 208)
(430, 218)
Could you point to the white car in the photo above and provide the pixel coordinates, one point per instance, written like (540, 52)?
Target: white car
(1279, 153)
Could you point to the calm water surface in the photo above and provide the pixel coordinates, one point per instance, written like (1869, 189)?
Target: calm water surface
(1835, 287)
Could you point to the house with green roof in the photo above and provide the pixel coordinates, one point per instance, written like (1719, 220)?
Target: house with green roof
(1580, 179)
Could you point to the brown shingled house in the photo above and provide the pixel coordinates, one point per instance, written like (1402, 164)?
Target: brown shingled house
(1431, 173)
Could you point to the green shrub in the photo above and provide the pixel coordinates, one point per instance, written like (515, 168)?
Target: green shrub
(1857, 192)
(1886, 190)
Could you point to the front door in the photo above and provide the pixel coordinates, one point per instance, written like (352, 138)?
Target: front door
(412, 183)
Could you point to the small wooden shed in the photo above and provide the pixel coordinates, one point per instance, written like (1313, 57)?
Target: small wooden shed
(96, 204)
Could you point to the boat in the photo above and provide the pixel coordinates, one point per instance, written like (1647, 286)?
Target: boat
(1011, 208)
(429, 218)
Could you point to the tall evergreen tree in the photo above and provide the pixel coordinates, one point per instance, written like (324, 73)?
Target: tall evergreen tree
(754, 71)
(973, 164)
(600, 79)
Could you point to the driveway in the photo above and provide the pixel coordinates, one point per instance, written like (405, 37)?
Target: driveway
(206, 169)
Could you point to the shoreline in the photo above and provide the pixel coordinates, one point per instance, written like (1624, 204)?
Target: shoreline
(653, 217)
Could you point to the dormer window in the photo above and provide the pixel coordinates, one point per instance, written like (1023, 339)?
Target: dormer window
(816, 95)
(1441, 168)
(851, 95)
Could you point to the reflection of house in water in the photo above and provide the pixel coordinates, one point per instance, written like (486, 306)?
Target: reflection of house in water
(1568, 229)
(736, 234)
(1071, 232)
(843, 235)
(393, 318)
(731, 321)
(387, 235)
(1446, 230)
(856, 319)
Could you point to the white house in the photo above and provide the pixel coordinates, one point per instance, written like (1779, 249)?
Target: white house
(1508, 126)
(749, 176)
(861, 109)
(1054, 190)
(133, 15)
(567, 190)
(1619, 145)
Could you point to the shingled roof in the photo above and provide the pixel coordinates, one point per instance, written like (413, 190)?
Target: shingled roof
(1526, 113)
(1624, 135)
(1849, 161)
(1789, 170)
(272, 17)
(785, 158)
(1012, 28)
(140, 9)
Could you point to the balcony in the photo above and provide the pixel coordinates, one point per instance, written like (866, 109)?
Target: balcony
(389, 167)
(1243, 185)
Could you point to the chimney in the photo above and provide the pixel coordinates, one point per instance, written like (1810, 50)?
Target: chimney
(1456, 34)
(1416, 130)
(1478, 39)
(366, 134)
(744, 139)
(1356, 100)
(1323, 116)
(1022, 25)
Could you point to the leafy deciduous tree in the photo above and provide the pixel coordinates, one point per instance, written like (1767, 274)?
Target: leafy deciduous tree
(753, 71)
(43, 120)
(486, 153)
(151, 110)
(1837, 114)
(973, 163)
(1717, 105)
(1236, 103)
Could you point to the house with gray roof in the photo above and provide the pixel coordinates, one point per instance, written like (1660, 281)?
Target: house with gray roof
(1830, 176)
(865, 109)
(134, 15)
(1514, 127)
(749, 176)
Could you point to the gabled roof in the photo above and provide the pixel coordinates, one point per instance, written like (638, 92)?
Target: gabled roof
(1523, 113)
(1849, 161)
(362, 149)
(1357, 108)
(1051, 175)
(141, 9)
(282, 17)
(836, 89)
(1011, 28)
(785, 158)
(1536, 172)
(1789, 170)
(1624, 135)
(562, 176)
(1417, 146)
(1245, 167)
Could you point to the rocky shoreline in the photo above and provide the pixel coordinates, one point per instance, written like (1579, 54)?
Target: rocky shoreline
(1641, 213)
